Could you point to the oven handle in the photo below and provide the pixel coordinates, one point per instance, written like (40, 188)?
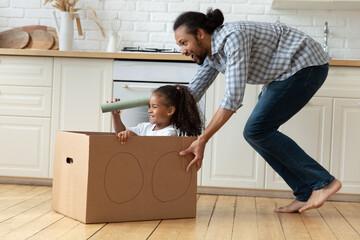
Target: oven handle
(140, 86)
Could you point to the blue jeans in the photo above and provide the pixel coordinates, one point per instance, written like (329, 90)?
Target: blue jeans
(281, 101)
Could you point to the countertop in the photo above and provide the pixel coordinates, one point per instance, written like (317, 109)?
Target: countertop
(129, 55)
(79, 54)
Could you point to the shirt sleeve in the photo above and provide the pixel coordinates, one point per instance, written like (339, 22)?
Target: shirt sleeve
(169, 132)
(237, 50)
(202, 80)
(138, 130)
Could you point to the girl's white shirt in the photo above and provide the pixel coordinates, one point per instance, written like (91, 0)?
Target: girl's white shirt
(147, 129)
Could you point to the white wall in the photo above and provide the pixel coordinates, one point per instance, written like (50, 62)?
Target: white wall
(149, 22)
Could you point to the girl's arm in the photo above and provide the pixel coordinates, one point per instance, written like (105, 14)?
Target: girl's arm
(117, 123)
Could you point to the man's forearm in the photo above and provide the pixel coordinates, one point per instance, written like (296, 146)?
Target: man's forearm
(219, 119)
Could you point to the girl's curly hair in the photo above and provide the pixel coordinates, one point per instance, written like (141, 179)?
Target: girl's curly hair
(187, 118)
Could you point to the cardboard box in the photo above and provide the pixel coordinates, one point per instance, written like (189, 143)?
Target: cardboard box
(97, 179)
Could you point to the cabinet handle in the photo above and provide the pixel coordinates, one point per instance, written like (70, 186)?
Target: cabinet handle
(140, 86)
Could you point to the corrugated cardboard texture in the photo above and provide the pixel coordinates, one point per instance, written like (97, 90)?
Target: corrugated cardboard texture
(97, 179)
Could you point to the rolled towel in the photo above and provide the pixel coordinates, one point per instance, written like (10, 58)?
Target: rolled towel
(120, 105)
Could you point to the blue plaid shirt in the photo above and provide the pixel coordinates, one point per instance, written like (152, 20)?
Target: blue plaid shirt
(254, 53)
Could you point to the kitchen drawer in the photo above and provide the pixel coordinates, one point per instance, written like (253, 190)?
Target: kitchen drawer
(154, 71)
(25, 146)
(341, 82)
(25, 101)
(26, 71)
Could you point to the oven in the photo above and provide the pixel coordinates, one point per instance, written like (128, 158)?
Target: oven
(136, 79)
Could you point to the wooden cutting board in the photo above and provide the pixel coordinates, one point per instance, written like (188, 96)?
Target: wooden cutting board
(14, 38)
(51, 30)
(40, 39)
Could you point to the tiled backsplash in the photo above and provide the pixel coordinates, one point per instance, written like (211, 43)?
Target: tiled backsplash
(148, 23)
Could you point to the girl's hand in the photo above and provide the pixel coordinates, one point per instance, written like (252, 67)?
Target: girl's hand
(124, 136)
(117, 111)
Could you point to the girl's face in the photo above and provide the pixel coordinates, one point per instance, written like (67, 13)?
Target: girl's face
(159, 113)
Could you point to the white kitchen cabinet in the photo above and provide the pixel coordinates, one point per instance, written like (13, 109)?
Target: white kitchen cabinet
(311, 130)
(25, 146)
(328, 129)
(345, 156)
(229, 161)
(335, 140)
(25, 109)
(80, 87)
(25, 101)
(26, 71)
(36, 99)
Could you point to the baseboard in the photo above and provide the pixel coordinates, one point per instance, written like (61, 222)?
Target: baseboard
(26, 181)
(269, 193)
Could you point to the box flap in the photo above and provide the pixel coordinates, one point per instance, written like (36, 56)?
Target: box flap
(70, 177)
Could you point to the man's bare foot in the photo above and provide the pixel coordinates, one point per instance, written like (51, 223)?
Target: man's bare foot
(318, 197)
(293, 207)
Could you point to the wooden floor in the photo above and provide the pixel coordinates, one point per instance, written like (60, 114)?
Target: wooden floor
(25, 213)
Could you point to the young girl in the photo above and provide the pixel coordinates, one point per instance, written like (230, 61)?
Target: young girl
(171, 108)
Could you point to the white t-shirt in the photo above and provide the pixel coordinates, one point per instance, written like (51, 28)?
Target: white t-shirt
(146, 129)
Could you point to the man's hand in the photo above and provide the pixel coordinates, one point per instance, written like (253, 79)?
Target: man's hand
(197, 148)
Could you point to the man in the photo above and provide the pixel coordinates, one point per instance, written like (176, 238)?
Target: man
(292, 67)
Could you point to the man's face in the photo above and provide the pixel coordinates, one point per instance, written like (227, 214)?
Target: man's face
(191, 45)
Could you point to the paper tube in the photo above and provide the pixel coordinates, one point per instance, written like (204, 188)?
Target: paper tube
(120, 105)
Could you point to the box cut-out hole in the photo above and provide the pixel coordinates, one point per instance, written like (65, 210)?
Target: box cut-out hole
(69, 160)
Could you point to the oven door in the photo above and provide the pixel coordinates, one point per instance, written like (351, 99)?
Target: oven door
(132, 90)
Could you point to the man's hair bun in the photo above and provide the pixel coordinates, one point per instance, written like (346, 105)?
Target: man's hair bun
(214, 19)
(195, 20)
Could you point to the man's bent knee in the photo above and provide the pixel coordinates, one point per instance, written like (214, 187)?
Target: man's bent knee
(254, 132)
(250, 132)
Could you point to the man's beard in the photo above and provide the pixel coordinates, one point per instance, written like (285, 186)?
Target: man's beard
(201, 57)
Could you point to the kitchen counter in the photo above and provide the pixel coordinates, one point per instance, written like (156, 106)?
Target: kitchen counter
(79, 54)
(130, 55)
(345, 63)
